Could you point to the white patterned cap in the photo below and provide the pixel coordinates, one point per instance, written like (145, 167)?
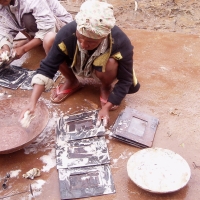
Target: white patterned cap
(95, 19)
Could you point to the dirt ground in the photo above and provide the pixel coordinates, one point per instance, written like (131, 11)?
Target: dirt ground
(180, 16)
(166, 61)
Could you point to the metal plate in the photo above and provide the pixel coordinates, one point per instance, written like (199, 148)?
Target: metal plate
(82, 153)
(78, 126)
(135, 128)
(12, 77)
(12, 136)
(158, 170)
(85, 182)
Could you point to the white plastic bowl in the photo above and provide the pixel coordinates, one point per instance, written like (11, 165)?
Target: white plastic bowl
(158, 170)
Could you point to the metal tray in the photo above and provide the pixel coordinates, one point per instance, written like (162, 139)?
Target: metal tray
(85, 182)
(135, 128)
(13, 137)
(78, 126)
(12, 76)
(82, 153)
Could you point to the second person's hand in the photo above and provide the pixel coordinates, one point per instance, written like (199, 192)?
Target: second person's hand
(18, 52)
(6, 51)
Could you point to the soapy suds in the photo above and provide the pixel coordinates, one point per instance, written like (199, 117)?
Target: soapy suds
(108, 132)
(4, 95)
(5, 56)
(14, 173)
(49, 160)
(47, 102)
(95, 148)
(107, 141)
(25, 122)
(115, 161)
(103, 175)
(46, 140)
(37, 188)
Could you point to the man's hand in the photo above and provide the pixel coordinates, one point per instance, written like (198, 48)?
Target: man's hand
(30, 108)
(36, 93)
(19, 52)
(103, 115)
(4, 50)
(27, 115)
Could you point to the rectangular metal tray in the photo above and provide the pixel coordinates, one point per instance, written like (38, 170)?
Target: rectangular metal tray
(85, 182)
(78, 126)
(135, 128)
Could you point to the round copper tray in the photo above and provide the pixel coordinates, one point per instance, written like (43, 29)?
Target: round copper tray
(13, 136)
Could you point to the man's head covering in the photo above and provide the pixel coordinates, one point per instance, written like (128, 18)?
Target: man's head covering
(95, 19)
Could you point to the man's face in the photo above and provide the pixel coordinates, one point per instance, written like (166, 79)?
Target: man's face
(5, 2)
(88, 43)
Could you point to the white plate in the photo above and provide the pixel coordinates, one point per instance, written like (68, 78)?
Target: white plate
(158, 170)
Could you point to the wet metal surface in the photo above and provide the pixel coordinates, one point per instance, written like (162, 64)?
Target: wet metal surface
(135, 128)
(12, 135)
(81, 153)
(86, 182)
(82, 157)
(167, 66)
(78, 126)
(12, 77)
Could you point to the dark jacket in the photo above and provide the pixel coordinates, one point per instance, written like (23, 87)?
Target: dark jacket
(65, 49)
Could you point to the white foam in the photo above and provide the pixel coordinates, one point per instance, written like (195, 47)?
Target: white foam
(15, 173)
(49, 160)
(37, 188)
(46, 140)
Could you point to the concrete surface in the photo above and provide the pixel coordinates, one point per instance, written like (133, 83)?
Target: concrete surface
(167, 66)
